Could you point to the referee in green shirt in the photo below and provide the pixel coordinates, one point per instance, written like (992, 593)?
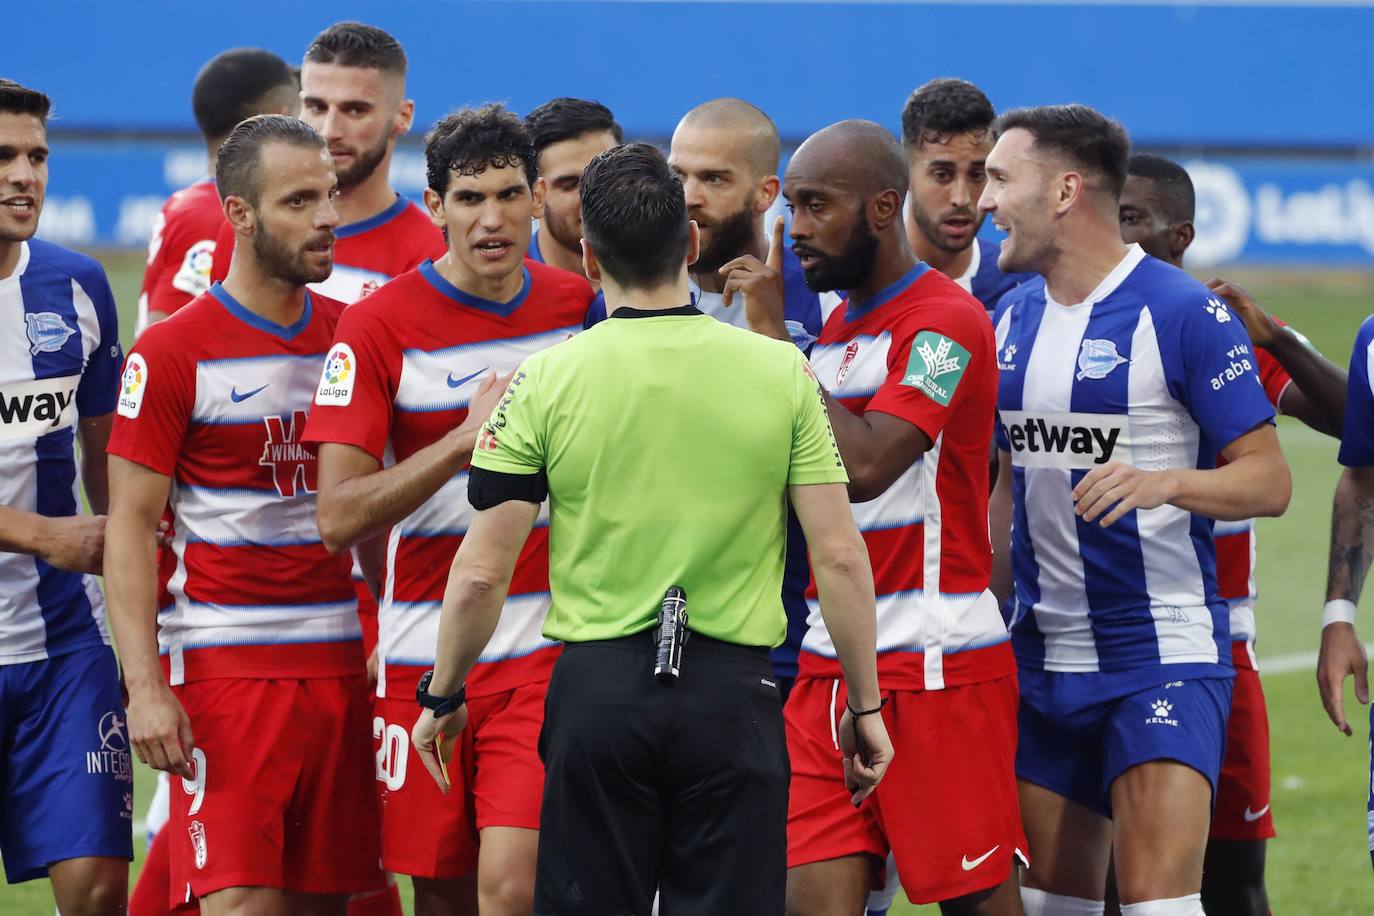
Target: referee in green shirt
(668, 444)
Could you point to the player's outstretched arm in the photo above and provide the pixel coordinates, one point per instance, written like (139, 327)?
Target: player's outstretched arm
(1255, 482)
(158, 727)
(844, 583)
(94, 433)
(1352, 548)
(478, 582)
(358, 499)
(1317, 395)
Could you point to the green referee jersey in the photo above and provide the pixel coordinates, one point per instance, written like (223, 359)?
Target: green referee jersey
(669, 440)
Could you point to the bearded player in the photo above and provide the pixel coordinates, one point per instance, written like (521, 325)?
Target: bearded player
(947, 135)
(251, 687)
(410, 378)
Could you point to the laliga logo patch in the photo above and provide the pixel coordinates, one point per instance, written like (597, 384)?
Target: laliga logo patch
(48, 333)
(132, 384)
(1097, 359)
(340, 372)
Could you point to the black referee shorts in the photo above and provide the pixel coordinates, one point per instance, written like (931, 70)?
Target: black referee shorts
(678, 788)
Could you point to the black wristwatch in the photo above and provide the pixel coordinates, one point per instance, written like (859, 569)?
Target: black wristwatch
(441, 706)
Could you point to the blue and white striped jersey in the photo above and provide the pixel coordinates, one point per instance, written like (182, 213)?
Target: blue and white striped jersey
(59, 360)
(1357, 438)
(1152, 370)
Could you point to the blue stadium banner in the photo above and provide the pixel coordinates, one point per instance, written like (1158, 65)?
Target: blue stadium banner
(1260, 211)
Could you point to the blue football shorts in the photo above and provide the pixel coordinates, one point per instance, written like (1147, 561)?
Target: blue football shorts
(1079, 731)
(66, 776)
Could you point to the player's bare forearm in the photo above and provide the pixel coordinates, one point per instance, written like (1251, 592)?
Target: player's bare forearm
(20, 531)
(999, 528)
(877, 448)
(1254, 483)
(138, 496)
(353, 506)
(1352, 535)
(478, 582)
(844, 585)
(94, 433)
(1317, 395)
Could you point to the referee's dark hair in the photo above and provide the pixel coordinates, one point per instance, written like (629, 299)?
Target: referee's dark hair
(17, 99)
(471, 140)
(567, 118)
(236, 163)
(353, 44)
(634, 216)
(1172, 181)
(943, 109)
(230, 87)
(1089, 141)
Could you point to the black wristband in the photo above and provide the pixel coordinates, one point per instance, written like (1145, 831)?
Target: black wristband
(856, 713)
(440, 706)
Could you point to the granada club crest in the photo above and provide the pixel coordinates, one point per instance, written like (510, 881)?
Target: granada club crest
(850, 352)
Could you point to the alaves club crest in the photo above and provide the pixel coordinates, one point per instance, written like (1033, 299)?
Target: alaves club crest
(48, 332)
(1097, 359)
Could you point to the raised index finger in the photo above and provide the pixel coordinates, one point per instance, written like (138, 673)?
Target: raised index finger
(775, 248)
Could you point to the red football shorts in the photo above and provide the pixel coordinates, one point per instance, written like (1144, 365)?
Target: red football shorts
(496, 775)
(283, 793)
(947, 808)
(1242, 808)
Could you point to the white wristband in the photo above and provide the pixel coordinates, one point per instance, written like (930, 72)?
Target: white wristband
(1338, 611)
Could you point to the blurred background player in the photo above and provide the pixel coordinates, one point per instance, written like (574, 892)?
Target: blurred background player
(912, 374)
(1156, 211)
(567, 134)
(410, 379)
(234, 85)
(1352, 546)
(66, 799)
(267, 717)
(1121, 379)
(947, 134)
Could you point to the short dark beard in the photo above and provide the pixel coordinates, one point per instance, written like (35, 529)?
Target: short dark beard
(561, 232)
(931, 230)
(730, 238)
(851, 268)
(366, 164)
(279, 262)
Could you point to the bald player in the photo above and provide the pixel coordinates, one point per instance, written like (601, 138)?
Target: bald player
(726, 153)
(910, 373)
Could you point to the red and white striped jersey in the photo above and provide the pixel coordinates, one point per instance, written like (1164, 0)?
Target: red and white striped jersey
(216, 397)
(1236, 540)
(181, 250)
(401, 372)
(922, 350)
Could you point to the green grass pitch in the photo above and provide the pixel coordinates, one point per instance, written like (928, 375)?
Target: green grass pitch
(1318, 865)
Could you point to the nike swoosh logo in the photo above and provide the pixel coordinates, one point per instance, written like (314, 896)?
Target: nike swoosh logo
(970, 865)
(459, 383)
(1252, 816)
(236, 397)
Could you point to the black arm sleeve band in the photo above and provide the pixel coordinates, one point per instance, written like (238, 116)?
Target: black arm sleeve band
(492, 488)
